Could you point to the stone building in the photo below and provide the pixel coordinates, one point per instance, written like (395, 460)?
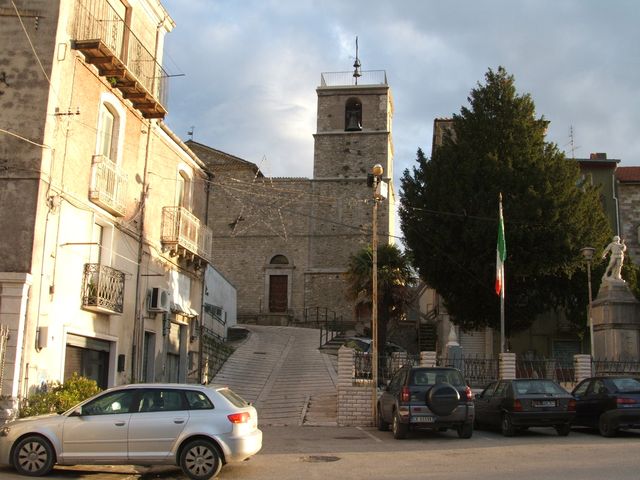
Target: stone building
(628, 195)
(103, 241)
(285, 242)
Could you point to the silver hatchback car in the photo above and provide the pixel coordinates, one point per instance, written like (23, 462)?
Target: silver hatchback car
(199, 428)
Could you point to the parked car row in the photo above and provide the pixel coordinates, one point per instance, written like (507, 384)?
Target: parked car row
(199, 428)
(438, 398)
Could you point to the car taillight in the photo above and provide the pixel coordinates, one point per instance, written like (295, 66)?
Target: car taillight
(405, 395)
(572, 405)
(468, 393)
(517, 405)
(626, 401)
(242, 417)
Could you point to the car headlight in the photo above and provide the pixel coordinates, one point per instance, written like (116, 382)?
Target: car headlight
(4, 431)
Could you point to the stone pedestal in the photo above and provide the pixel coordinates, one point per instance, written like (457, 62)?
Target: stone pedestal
(616, 322)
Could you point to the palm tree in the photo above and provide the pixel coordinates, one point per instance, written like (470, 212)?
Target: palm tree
(395, 277)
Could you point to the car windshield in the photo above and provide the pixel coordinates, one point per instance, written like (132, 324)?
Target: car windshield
(437, 375)
(626, 384)
(532, 387)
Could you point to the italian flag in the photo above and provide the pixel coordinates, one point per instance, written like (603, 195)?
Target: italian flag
(501, 253)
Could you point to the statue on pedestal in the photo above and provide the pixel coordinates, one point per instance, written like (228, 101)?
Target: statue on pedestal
(614, 269)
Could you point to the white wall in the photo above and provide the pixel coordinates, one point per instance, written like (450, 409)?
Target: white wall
(221, 293)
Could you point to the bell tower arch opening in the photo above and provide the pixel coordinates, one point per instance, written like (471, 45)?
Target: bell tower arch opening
(353, 115)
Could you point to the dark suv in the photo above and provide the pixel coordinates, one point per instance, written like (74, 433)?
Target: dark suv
(434, 398)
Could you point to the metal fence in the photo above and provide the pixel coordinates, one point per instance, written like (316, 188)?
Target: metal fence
(560, 370)
(607, 368)
(4, 340)
(477, 370)
(213, 353)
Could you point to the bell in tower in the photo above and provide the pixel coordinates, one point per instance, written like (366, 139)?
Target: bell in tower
(353, 115)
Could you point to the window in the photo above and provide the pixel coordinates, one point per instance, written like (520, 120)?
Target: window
(157, 400)
(108, 126)
(183, 190)
(198, 400)
(110, 404)
(96, 243)
(279, 260)
(353, 115)
(582, 388)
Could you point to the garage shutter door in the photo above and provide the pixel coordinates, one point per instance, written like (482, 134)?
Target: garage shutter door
(473, 343)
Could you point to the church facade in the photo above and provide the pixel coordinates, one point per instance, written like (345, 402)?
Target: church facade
(285, 243)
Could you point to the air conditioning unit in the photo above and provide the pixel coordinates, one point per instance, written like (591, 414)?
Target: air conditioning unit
(158, 300)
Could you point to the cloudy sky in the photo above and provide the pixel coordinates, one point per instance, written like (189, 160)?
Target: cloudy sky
(251, 68)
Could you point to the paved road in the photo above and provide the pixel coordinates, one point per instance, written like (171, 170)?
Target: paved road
(284, 374)
(296, 452)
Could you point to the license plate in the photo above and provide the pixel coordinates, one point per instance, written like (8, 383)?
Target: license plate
(544, 403)
(423, 419)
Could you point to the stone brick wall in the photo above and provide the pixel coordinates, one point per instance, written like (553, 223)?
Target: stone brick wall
(355, 401)
(629, 211)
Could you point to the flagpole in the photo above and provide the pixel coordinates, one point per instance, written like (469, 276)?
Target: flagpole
(501, 253)
(502, 342)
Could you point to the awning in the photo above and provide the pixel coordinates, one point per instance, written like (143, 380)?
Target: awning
(183, 310)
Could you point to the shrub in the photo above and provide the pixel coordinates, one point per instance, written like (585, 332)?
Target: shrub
(54, 397)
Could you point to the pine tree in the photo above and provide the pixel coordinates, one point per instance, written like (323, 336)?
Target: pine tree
(449, 213)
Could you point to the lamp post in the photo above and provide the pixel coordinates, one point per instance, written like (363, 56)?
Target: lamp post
(377, 178)
(587, 253)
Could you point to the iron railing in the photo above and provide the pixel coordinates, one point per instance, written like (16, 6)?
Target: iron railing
(98, 20)
(477, 370)
(560, 370)
(606, 368)
(327, 321)
(180, 228)
(4, 340)
(108, 185)
(102, 289)
(338, 79)
(213, 354)
(388, 365)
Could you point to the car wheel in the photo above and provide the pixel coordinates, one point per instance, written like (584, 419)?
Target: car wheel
(508, 430)
(563, 430)
(200, 460)
(605, 427)
(33, 456)
(465, 430)
(382, 425)
(399, 429)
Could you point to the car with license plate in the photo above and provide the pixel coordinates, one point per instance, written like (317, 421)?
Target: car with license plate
(434, 398)
(608, 403)
(199, 428)
(515, 405)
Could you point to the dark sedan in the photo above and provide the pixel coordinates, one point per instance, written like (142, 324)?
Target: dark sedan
(608, 404)
(514, 405)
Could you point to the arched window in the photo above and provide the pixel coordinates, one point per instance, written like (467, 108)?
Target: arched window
(279, 260)
(353, 115)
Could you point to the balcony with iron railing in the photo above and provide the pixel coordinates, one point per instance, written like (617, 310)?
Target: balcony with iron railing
(342, 79)
(107, 42)
(108, 185)
(102, 289)
(183, 234)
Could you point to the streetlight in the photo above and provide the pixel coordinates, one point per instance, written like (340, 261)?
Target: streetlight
(377, 196)
(587, 253)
